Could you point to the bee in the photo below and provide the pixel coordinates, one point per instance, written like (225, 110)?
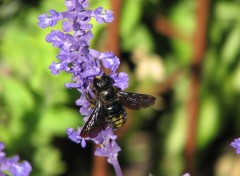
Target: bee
(109, 106)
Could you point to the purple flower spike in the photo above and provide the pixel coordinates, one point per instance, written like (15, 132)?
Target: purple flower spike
(75, 57)
(236, 144)
(12, 165)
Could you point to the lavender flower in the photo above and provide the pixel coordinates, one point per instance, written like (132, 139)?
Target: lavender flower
(236, 144)
(76, 58)
(12, 165)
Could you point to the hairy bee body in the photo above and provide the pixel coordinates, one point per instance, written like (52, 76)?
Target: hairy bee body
(109, 103)
(115, 115)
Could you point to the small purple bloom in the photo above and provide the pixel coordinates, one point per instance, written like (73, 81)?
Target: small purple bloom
(85, 105)
(121, 80)
(12, 164)
(106, 134)
(50, 19)
(75, 136)
(109, 60)
(56, 67)
(100, 17)
(22, 169)
(110, 150)
(56, 38)
(76, 4)
(236, 144)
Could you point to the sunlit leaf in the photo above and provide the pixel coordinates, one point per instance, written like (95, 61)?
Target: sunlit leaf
(140, 38)
(48, 160)
(208, 124)
(232, 45)
(55, 121)
(228, 10)
(130, 16)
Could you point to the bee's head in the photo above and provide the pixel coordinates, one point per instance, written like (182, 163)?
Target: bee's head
(101, 83)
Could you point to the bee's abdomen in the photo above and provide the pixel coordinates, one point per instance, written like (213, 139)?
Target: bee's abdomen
(116, 115)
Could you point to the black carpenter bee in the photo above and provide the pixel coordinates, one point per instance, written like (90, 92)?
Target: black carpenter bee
(109, 103)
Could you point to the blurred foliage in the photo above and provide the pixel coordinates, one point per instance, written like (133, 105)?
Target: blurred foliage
(36, 108)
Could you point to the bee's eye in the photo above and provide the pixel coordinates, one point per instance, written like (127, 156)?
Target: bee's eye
(108, 79)
(103, 82)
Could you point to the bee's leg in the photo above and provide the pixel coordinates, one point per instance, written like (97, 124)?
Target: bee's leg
(90, 98)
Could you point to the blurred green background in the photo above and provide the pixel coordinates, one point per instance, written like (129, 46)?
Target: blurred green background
(36, 108)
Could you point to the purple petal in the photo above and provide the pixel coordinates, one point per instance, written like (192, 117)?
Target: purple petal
(77, 5)
(75, 136)
(95, 53)
(121, 80)
(49, 19)
(67, 26)
(86, 111)
(82, 101)
(70, 4)
(110, 61)
(100, 17)
(22, 169)
(94, 71)
(115, 147)
(236, 144)
(100, 152)
(56, 67)
(2, 146)
(84, 3)
(106, 134)
(71, 16)
(87, 36)
(12, 165)
(84, 50)
(56, 38)
(73, 85)
(68, 42)
(83, 143)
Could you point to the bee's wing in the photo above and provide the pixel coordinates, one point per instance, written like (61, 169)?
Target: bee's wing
(95, 122)
(135, 100)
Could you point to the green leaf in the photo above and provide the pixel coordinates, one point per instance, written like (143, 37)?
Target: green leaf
(232, 46)
(176, 136)
(183, 16)
(55, 121)
(130, 17)
(16, 96)
(208, 124)
(139, 38)
(48, 160)
(227, 10)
